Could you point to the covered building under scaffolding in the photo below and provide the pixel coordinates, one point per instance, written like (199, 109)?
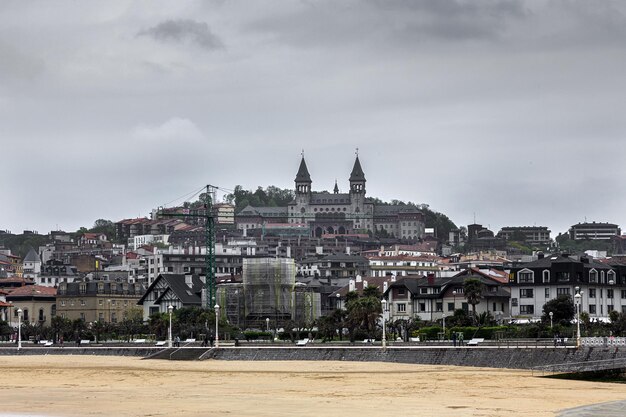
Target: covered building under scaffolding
(268, 290)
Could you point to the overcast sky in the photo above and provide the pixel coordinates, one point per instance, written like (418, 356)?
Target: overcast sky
(509, 111)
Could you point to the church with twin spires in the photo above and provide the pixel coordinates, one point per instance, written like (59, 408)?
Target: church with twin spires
(336, 213)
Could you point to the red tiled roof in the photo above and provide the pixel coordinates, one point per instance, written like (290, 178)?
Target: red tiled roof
(3, 304)
(33, 290)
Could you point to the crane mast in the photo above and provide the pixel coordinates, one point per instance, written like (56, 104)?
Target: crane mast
(209, 240)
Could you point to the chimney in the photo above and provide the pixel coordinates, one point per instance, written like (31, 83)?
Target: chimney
(393, 278)
(431, 279)
(364, 284)
(540, 255)
(358, 278)
(385, 286)
(188, 281)
(351, 285)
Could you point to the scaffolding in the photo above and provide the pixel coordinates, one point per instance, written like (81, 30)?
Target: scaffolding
(268, 291)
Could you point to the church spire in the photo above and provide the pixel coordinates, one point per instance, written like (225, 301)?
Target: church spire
(303, 179)
(357, 178)
(336, 190)
(303, 172)
(357, 172)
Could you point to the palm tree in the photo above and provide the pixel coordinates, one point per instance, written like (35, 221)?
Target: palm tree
(473, 290)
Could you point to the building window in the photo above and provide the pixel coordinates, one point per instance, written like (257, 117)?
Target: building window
(401, 308)
(439, 306)
(611, 276)
(593, 276)
(63, 301)
(100, 302)
(623, 293)
(82, 316)
(592, 293)
(82, 302)
(592, 309)
(401, 291)
(450, 306)
(610, 308)
(562, 291)
(546, 276)
(527, 309)
(525, 276)
(547, 293)
(526, 293)
(423, 290)
(422, 307)
(562, 276)
(100, 316)
(609, 293)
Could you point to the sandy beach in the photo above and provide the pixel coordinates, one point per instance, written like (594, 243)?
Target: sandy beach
(119, 386)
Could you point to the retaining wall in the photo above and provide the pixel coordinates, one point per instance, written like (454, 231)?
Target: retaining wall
(513, 358)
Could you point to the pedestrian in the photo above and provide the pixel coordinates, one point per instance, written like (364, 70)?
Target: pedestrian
(555, 340)
(454, 338)
(177, 341)
(205, 340)
(212, 339)
(61, 341)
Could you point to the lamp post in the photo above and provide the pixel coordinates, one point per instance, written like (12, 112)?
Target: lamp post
(267, 322)
(217, 332)
(384, 341)
(551, 315)
(444, 325)
(454, 302)
(577, 298)
(19, 328)
(170, 308)
(338, 296)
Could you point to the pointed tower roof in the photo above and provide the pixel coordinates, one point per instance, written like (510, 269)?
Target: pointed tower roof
(357, 172)
(336, 190)
(303, 173)
(32, 256)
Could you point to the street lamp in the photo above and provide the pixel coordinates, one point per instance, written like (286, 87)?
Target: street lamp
(338, 300)
(217, 331)
(19, 328)
(444, 325)
(170, 308)
(267, 322)
(384, 305)
(577, 298)
(454, 298)
(551, 315)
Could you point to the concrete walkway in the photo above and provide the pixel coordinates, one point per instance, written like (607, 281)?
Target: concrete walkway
(612, 409)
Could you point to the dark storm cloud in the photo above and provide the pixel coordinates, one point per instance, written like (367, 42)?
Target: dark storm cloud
(184, 30)
(399, 21)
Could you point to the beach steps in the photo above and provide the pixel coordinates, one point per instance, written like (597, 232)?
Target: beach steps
(180, 354)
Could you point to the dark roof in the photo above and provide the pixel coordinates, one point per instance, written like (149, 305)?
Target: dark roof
(303, 173)
(91, 288)
(339, 198)
(357, 172)
(385, 210)
(414, 283)
(176, 283)
(263, 211)
(550, 260)
(32, 256)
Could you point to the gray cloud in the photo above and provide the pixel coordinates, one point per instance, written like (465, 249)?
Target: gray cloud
(184, 30)
(332, 23)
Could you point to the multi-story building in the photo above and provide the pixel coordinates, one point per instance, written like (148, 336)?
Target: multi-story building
(101, 301)
(402, 265)
(431, 298)
(32, 264)
(534, 235)
(594, 231)
(337, 214)
(535, 283)
(334, 265)
(38, 303)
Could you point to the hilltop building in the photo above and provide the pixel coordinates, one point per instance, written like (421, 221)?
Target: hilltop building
(327, 214)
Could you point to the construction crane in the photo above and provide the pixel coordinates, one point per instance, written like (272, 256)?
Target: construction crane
(209, 234)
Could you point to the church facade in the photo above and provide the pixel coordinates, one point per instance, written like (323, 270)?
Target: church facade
(336, 213)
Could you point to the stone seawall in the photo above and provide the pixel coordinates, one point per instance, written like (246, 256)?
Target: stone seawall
(512, 358)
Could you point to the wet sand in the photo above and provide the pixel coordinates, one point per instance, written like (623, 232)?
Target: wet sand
(119, 386)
